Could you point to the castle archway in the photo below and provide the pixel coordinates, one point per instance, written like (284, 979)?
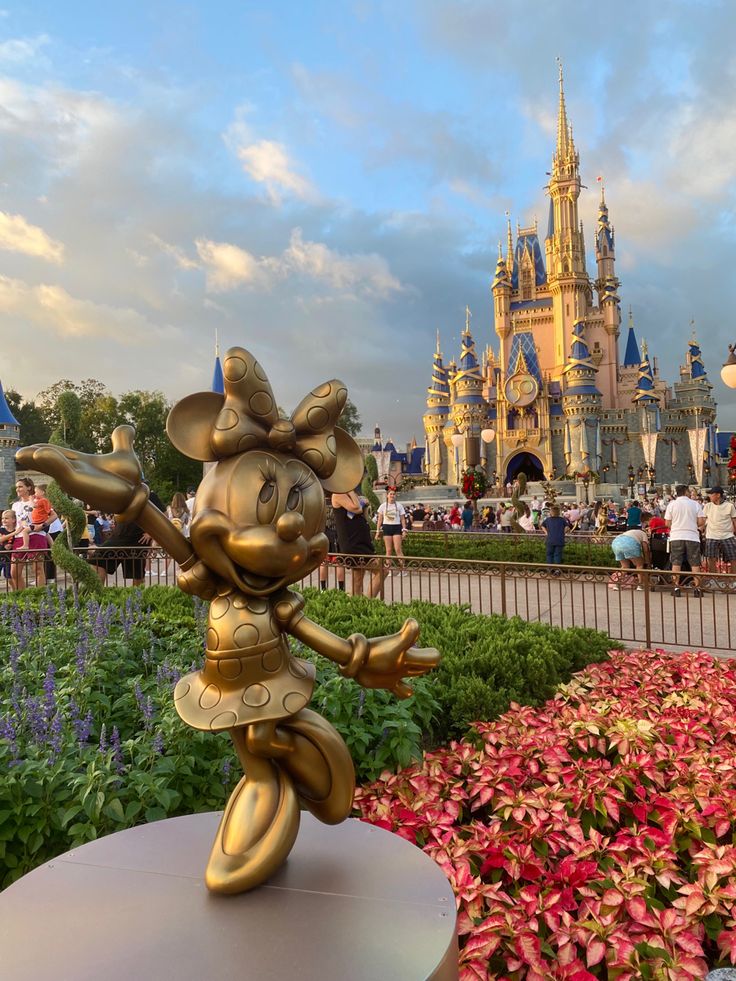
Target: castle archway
(527, 463)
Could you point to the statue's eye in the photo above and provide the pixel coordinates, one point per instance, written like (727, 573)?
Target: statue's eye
(294, 499)
(266, 492)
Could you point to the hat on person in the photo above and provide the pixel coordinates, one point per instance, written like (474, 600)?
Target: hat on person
(716, 490)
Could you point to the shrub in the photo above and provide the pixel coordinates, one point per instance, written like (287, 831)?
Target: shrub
(492, 547)
(90, 742)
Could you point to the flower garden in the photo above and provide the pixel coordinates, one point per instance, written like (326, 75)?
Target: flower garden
(586, 824)
(592, 837)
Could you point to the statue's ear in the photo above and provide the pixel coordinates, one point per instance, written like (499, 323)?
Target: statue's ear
(348, 471)
(191, 422)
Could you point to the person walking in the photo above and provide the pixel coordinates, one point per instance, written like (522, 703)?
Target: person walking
(554, 528)
(354, 540)
(391, 524)
(720, 526)
(684, 520)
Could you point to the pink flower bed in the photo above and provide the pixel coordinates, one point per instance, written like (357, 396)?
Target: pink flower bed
(592, 837)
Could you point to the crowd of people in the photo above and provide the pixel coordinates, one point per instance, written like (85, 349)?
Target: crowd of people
(664, 531)
(30, 525)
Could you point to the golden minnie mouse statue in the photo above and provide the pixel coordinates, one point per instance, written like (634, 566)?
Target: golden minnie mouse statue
(257, 526)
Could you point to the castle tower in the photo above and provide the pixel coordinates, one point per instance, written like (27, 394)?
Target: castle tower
(435, 418)
(468, 408)
(9, 443)
(607, 286)
(696, 407)
(501, 290)
(565, 249)
(647, 402)
(581, 403)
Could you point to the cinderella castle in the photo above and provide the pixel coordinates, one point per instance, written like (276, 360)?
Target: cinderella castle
(556, 399)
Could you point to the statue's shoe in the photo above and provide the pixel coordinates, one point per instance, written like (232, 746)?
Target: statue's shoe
(320, 766)
(257, 830)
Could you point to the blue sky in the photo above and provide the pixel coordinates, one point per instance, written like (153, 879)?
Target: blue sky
(326, 183)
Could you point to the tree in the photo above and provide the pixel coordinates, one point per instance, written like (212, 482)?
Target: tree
(166, 469)
(33, 428)
(371, 467)
(350, 419)
(92, 395)
(68, 431)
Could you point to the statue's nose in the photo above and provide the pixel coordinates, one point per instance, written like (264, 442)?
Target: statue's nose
(290, 526)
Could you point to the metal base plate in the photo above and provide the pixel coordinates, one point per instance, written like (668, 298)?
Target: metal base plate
(352, 901)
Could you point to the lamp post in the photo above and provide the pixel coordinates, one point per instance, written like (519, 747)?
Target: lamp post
(706, 474)
(632, 478)
(457, 440)
(652, 475)
(487, 436)
(691, 472)
(586, 482)
(728, 371)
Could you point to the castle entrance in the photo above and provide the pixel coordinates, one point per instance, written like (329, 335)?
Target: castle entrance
(526, 463)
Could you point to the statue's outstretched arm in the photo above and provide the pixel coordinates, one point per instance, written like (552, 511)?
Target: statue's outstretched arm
(112, 482)
(381, 662)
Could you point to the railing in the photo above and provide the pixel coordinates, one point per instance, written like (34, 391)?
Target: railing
(562, 596)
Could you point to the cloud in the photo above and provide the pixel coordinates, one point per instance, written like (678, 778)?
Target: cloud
(17, 235)
(229, 266)
(17, 51)
(52, 309)
(268, 163)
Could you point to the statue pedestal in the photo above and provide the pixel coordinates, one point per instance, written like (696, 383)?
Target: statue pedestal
(352, 902)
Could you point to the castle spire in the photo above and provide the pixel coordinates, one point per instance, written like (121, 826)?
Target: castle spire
(563, 128)
(509, 244)
(218, 381)
(632, 358)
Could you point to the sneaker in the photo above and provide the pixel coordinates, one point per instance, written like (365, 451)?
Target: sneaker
(677, 591)
(403, 574)
(389, 574)
(697, 593)
(614, 587)
(640, 589)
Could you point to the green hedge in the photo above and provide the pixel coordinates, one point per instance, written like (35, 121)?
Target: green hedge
(496, 547)
(90, 742)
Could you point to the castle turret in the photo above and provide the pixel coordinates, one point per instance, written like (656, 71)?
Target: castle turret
(468, 408)
(581, 403)
(435, 418)
(501, 289)
(566, 273)
(607, 286)
(9, 443)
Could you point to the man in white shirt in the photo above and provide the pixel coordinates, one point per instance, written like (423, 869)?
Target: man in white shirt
(684, 519)
(720, 525)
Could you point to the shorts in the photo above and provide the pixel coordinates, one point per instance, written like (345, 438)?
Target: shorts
(721, 548)
(38, 548)
(133, 561)
(626, 547)
(680, 550)
(389, 530)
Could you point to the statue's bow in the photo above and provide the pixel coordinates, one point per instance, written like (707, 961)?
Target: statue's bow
(207, 426)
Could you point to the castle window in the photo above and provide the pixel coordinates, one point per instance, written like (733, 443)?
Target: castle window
(597, 346)
(526, 284)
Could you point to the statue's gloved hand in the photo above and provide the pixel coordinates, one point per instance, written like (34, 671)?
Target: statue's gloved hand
(108, 481)
(384, 661)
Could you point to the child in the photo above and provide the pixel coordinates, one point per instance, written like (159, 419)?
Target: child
(7, 534)
(40, 517)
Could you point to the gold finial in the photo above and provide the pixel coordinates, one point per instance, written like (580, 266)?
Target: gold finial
(468, 315)
(631, 317)
(509, 239)
(437, 349)
(692, 330)
(217, 345)
(500, 250)
(602, 182)
(644, 350)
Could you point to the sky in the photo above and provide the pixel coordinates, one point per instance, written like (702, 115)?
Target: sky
(326, 183)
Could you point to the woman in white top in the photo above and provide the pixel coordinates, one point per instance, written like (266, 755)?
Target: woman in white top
(391, 523)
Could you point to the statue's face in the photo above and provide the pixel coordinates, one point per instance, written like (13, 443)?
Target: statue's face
(258, 520)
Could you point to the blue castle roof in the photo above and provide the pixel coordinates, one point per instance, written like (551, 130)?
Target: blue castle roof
(632, 358)
(218, 382)
(6, 416)
(524, 343)
(528, 242)
(697, 368)
(645, 383)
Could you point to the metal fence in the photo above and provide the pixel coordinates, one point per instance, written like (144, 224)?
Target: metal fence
(563, 596)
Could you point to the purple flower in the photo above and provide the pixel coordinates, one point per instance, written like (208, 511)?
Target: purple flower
(117, 750)
(55, 733)
(225, 769)
(103, 738)
(158, 743)
(49, 691)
